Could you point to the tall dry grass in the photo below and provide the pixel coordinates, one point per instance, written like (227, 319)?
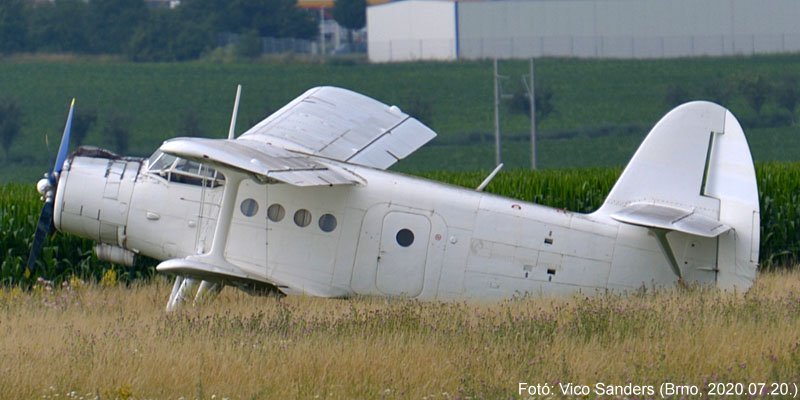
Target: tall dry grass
(92, 341)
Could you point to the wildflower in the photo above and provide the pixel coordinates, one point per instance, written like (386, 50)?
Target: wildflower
(109, 278)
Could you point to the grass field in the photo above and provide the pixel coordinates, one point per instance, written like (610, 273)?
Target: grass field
(108, 341)
(153, 99)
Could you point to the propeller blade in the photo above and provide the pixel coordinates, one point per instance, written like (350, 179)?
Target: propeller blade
(45, 225)
(43, 228)
(64, 147)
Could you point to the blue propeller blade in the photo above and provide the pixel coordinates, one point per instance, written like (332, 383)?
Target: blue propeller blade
(43, 228)
(64, 147)
(45, 225)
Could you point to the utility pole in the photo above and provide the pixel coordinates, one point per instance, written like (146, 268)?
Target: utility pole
(497, 159)
(532, 98)
(322, 31)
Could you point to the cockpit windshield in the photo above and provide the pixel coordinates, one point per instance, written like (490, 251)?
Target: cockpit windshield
(180, 170)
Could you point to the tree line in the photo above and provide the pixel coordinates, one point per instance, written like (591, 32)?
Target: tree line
(142, 33)
(772, 101)
(114, 127)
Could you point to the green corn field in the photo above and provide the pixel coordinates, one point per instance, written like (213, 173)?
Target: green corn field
(63, 256)
(579, 190)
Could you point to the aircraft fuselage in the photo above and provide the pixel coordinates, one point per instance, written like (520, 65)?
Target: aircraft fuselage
(396, 236)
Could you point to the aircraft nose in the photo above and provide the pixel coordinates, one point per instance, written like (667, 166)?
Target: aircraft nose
(93, 197)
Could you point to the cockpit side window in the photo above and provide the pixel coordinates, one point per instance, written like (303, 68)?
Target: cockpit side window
(189, 167)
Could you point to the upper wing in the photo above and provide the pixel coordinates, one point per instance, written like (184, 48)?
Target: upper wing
(261, 159)
(292, 144)
(342, 125)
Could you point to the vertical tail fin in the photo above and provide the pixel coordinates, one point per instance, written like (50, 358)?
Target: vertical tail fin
(694, 174)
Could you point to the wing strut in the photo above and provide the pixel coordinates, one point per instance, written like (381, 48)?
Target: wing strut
(232, 182)
(489, 178)
(211, 265)
(663, 243)
(232, 130)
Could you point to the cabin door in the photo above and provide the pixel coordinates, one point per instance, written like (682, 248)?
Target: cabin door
(403, 254)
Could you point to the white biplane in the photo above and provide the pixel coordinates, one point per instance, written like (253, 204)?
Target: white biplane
(302, 203)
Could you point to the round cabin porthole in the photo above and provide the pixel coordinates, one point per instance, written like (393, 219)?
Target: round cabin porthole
(275, 212)
(405, 237)
(249, 207)
(302, 217)
(327, 223)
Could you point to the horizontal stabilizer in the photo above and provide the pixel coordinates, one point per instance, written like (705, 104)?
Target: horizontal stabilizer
(670, 218)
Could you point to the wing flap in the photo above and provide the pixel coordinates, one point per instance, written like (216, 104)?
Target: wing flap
(670, 218)
(261, 159)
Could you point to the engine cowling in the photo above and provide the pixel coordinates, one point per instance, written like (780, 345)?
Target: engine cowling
(93, 197)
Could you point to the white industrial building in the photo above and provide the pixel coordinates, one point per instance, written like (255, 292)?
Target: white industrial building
(450, 30)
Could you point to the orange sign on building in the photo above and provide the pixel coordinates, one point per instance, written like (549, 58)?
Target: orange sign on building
(315, 4)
